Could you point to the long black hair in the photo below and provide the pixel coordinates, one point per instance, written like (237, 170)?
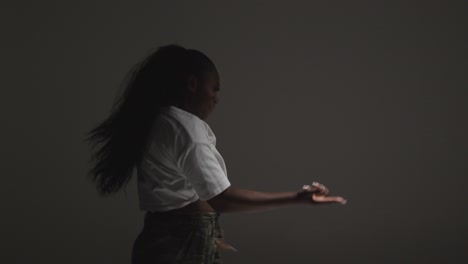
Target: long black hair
(158, 81)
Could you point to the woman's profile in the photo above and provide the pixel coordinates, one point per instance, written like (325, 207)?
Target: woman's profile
(158, 128)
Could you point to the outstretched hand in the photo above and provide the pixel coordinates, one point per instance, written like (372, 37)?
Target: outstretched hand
(318, 194)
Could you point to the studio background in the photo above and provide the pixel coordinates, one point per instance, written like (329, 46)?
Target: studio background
(367, 98)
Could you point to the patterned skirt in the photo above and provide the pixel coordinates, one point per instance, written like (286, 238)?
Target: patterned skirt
(183, 238)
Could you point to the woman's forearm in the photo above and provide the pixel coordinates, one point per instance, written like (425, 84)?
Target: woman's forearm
(244, 200)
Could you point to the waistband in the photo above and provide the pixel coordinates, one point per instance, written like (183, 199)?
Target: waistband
(182, 216)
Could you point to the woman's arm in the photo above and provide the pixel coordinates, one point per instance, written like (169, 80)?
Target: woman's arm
(242, 200)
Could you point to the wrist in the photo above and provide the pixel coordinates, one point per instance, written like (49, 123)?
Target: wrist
(302, 197)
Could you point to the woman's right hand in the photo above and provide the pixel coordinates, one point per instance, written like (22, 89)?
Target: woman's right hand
(318, 194)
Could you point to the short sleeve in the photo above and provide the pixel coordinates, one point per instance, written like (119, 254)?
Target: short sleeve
(200, 165)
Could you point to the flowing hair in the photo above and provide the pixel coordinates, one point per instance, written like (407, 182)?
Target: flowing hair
(157, 81)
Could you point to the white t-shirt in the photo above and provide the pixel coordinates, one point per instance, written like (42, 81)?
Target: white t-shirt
(181, 164)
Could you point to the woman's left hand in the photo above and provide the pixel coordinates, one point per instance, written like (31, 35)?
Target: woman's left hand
(318, 194)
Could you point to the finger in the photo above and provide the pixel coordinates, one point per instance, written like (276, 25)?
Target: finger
(321, 187)
(310, 188)
(318, 188)
(328, 199)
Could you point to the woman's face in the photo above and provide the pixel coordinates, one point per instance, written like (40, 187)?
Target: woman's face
(206, 96)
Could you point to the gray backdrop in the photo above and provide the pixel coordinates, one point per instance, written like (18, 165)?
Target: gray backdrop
(367, 98)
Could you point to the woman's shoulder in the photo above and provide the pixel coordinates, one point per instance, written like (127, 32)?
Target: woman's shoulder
(188, 125)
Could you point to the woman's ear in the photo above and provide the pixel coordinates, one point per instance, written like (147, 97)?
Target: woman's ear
(193, 83)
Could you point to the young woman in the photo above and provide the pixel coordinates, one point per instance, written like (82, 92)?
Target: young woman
(158, 127)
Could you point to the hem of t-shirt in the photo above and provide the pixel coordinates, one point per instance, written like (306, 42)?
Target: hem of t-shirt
(224, 184)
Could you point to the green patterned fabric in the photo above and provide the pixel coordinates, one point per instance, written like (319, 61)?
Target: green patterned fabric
(183, 238)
